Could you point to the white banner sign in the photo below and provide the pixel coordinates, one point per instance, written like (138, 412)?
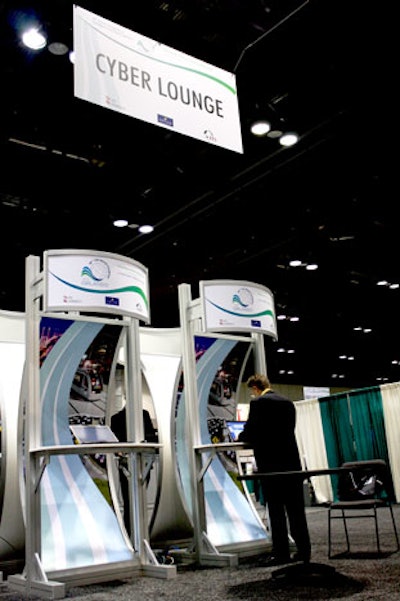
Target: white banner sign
(315, 392)
(129, 73)
(94, 281)
(237, 306)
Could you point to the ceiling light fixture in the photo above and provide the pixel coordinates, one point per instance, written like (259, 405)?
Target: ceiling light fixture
(260, 128)
(146, 229)
(33, 39)
(58, 48)
(274, 133)
(120, 223)
(308, 266)
(289, 139)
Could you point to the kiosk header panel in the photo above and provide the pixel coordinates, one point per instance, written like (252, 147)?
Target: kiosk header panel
(237, 306)
(93, 281)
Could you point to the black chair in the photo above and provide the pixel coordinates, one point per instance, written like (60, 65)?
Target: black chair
(363, 488)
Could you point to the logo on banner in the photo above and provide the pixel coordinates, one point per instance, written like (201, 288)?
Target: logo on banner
(165, 120)
(208, 134)
(95, 271)
(244, 298)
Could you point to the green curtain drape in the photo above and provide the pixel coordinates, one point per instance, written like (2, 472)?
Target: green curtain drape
(338, 432)
(353, 426)
(369, 427)
(368, 424)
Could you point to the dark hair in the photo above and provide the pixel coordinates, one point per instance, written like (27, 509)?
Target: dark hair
(259, 380)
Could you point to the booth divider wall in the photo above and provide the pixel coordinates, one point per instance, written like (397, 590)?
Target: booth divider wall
(12, 359)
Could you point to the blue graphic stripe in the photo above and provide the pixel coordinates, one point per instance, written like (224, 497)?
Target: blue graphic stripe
(77, 499)
(239, 511)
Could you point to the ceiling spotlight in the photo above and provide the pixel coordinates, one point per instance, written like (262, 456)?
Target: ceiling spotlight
(288, 139)
(274, 133)
(58, 48)
(146, 229)
(120, 222)
(260, 128)
(33, 39)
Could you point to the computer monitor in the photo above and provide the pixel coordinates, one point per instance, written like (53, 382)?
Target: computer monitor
(234, 428)
(93, 434)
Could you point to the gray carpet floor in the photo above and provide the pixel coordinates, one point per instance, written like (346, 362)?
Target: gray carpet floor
(361, 575)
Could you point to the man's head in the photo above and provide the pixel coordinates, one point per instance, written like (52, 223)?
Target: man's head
(258, 383)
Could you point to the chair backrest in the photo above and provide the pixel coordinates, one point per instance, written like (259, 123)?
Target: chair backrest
(364, 480)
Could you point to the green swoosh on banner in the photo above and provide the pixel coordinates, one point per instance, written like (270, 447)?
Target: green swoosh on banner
(259, 314)
(157, 60)
(135, 289)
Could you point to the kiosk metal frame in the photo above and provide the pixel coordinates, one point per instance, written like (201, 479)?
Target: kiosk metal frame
(194, 320)
(35, 579)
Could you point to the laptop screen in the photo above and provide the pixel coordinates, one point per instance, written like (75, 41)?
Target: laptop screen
(234, 428)
(93, 434)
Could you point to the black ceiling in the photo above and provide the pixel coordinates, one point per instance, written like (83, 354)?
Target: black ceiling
(321, 67)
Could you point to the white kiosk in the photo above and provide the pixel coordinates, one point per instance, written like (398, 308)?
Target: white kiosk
(225, 522)
(73, 534)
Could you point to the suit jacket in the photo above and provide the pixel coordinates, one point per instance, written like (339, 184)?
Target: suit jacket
(118, 426)
(270, 430)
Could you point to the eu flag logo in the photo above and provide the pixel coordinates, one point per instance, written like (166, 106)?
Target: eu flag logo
(165, 120)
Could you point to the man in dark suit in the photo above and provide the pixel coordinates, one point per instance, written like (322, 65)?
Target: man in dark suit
(270, 431)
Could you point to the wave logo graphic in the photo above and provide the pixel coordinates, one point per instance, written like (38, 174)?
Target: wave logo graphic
(98, 270)
(243, 298)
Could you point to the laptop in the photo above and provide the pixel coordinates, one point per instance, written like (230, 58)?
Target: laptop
(234, 428)
(93, 434)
